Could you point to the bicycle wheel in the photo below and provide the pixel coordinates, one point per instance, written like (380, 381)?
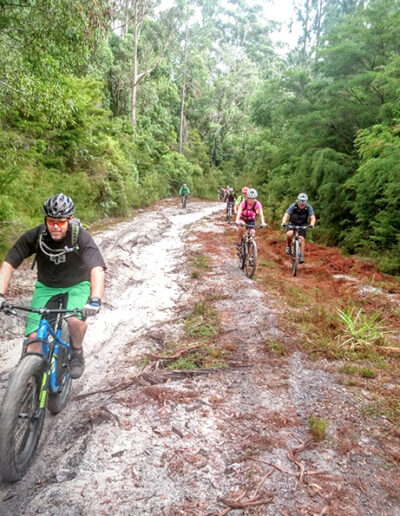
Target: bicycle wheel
(21, 418)
(229, 214)
(242, 255)
(251, 263)
(57, 400)
(295, 257)
(184, 201)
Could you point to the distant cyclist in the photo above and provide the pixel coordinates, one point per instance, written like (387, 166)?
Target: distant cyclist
(298, 214)
(242, 197)
(231, 197)
(247, 213)
(221, 193)
(184, 190)
(226, 192)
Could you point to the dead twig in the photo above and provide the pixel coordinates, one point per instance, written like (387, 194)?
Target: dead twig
(243, 505)
(177, 354)
(226, 511)
(262, 481)
(272, 465)
(295, 450)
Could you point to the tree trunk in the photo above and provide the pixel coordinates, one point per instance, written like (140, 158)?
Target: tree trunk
(135, 67)
(181, 125)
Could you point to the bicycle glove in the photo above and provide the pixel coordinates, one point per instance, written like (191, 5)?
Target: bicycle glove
(91, 308)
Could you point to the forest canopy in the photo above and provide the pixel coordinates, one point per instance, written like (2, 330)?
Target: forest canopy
(117, 103)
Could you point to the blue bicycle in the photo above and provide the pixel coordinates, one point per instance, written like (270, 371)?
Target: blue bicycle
(39, 380)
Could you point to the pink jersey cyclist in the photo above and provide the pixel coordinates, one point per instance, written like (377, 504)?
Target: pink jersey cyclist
(247, 212)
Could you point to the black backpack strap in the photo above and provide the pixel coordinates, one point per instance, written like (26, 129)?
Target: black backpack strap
(42, 232)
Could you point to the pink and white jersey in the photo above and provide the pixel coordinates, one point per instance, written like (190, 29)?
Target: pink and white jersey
(249, 212)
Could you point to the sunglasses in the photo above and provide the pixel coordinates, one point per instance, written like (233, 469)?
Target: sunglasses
(57, 222)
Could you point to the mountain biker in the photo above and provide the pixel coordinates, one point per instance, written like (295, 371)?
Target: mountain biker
(230, 197)
(184, 190)
(242, 197)
(76, 270)
(221, 193)
(247, 212)
(226, 192)
(298, 214)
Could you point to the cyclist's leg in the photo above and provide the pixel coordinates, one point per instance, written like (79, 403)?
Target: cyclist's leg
(289, 237)
(240, 231)
(78, 296)
(41, 295)
(302, 235)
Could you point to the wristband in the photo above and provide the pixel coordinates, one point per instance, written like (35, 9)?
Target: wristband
(96, 301)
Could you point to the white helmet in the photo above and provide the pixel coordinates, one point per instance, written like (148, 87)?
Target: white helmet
(252, 193)
(302, 198)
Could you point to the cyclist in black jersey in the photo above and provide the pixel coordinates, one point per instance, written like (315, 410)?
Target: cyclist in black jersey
(298, 214)
(75, 269)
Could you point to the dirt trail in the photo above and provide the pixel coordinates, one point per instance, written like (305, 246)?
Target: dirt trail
(235, 438)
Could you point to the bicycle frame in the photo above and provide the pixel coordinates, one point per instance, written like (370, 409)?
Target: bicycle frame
(51, 341)
(295, 247)
(50, 350)
(248, 260)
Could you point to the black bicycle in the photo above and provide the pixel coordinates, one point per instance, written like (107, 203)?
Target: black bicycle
(295, 248)
(39, 380)
(248, 250)
(229, 211)
(184, 200)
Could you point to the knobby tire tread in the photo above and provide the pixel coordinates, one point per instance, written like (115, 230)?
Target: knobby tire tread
(295, 258)
(251, 264)
(14, 463)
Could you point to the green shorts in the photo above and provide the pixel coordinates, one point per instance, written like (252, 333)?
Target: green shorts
(78, 296)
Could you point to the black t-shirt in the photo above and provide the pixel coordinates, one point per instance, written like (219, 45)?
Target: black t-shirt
(62, 271)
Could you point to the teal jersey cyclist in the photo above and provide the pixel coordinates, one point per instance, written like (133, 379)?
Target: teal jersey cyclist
(74, 270)
(184, 190)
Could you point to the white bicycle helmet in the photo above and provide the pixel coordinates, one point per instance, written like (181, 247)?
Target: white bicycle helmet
(302, 198)
(252, 193)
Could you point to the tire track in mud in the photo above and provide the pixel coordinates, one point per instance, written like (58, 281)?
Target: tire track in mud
(195, 445)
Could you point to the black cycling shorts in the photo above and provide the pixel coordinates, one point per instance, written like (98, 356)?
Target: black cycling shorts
(249, 222)
(302, 232)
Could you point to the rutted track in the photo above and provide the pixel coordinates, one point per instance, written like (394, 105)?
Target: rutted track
(194, 445)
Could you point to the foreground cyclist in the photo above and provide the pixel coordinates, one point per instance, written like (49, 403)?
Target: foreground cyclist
(298, 214)
(247, 213)
(63, 268)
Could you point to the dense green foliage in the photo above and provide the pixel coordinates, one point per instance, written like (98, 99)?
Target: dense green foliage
(323, 119)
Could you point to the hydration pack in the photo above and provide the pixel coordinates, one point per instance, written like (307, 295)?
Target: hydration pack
(247, 207)
(75, 225)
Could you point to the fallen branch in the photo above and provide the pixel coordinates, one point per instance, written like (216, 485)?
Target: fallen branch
(176, 355)
(273, 465)
(242, 505)
(226, 511)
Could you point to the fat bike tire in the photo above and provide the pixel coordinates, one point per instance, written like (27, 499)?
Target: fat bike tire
(251, 263)
(57, 400)
(295, 258)
(184, 201)
(21, 418)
